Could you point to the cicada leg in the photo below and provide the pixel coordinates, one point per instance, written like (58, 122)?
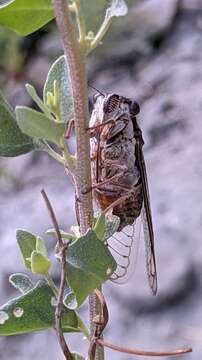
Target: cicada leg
(70, 126)
(114, 163)
(92, 129)
(104, 182)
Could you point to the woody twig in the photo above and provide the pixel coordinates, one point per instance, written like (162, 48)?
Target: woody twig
(59, 306)
(125, 350)
(100, 321)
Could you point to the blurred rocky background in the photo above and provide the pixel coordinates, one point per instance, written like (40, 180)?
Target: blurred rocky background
(155, 56)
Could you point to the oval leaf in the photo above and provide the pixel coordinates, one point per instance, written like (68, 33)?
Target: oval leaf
(40, 246)
(38, 125)
(12, 141)
(59, 72)
(99, 226)
(89, 264)
(21, 282)
(34, 311)
(39, 263)
(27, 243)
(26, 16)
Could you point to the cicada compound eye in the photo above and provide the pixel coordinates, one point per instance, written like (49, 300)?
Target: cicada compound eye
(112, 103)
(134, 108)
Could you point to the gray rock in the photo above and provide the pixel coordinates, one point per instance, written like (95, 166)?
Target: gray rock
(153, 17)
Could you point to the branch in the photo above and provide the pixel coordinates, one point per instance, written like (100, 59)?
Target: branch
(75, 53)
(80, 21)
(59, 306)
(141, 352)
(100, 34)
(76, 63)
(100, 322)
(53, 217)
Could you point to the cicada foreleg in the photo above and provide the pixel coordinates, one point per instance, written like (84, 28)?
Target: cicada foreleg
(109, 180)
(70, 127)
(92, 129)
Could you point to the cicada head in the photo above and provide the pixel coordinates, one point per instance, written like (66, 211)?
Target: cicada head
(115, 107)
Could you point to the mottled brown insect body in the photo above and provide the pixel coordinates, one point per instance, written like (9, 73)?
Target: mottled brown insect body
(114, 149)
(118, 168)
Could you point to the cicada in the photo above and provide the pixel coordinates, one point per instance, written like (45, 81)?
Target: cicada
(119, 175)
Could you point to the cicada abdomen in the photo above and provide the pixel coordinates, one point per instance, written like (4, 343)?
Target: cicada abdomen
(119, 175)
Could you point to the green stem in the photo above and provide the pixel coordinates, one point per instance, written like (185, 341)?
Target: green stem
(70, 161)
(53, 153)
(52, 284)
(80, 21)
(100, 34)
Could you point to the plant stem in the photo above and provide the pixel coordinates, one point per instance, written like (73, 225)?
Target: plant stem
(75, 55)
(101, 33)
(80, 21)
(59, 306)
(52, 284)
(53, 153)
(69, 159)
(76, 63)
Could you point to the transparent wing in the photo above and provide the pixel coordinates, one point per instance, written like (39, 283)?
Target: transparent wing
(147, 222)
(124, 247)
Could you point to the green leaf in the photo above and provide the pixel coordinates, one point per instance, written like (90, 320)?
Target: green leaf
(27, 244)
(89, 264)
(21, 282)
(99, 226)
(39, 263)
(34, 311)
(38, 125)
(83, 328)
(59, 72)
(12, 141)
(40, 246)
(77, 356)
(111, 226)
(32, 92)
(26, 16)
